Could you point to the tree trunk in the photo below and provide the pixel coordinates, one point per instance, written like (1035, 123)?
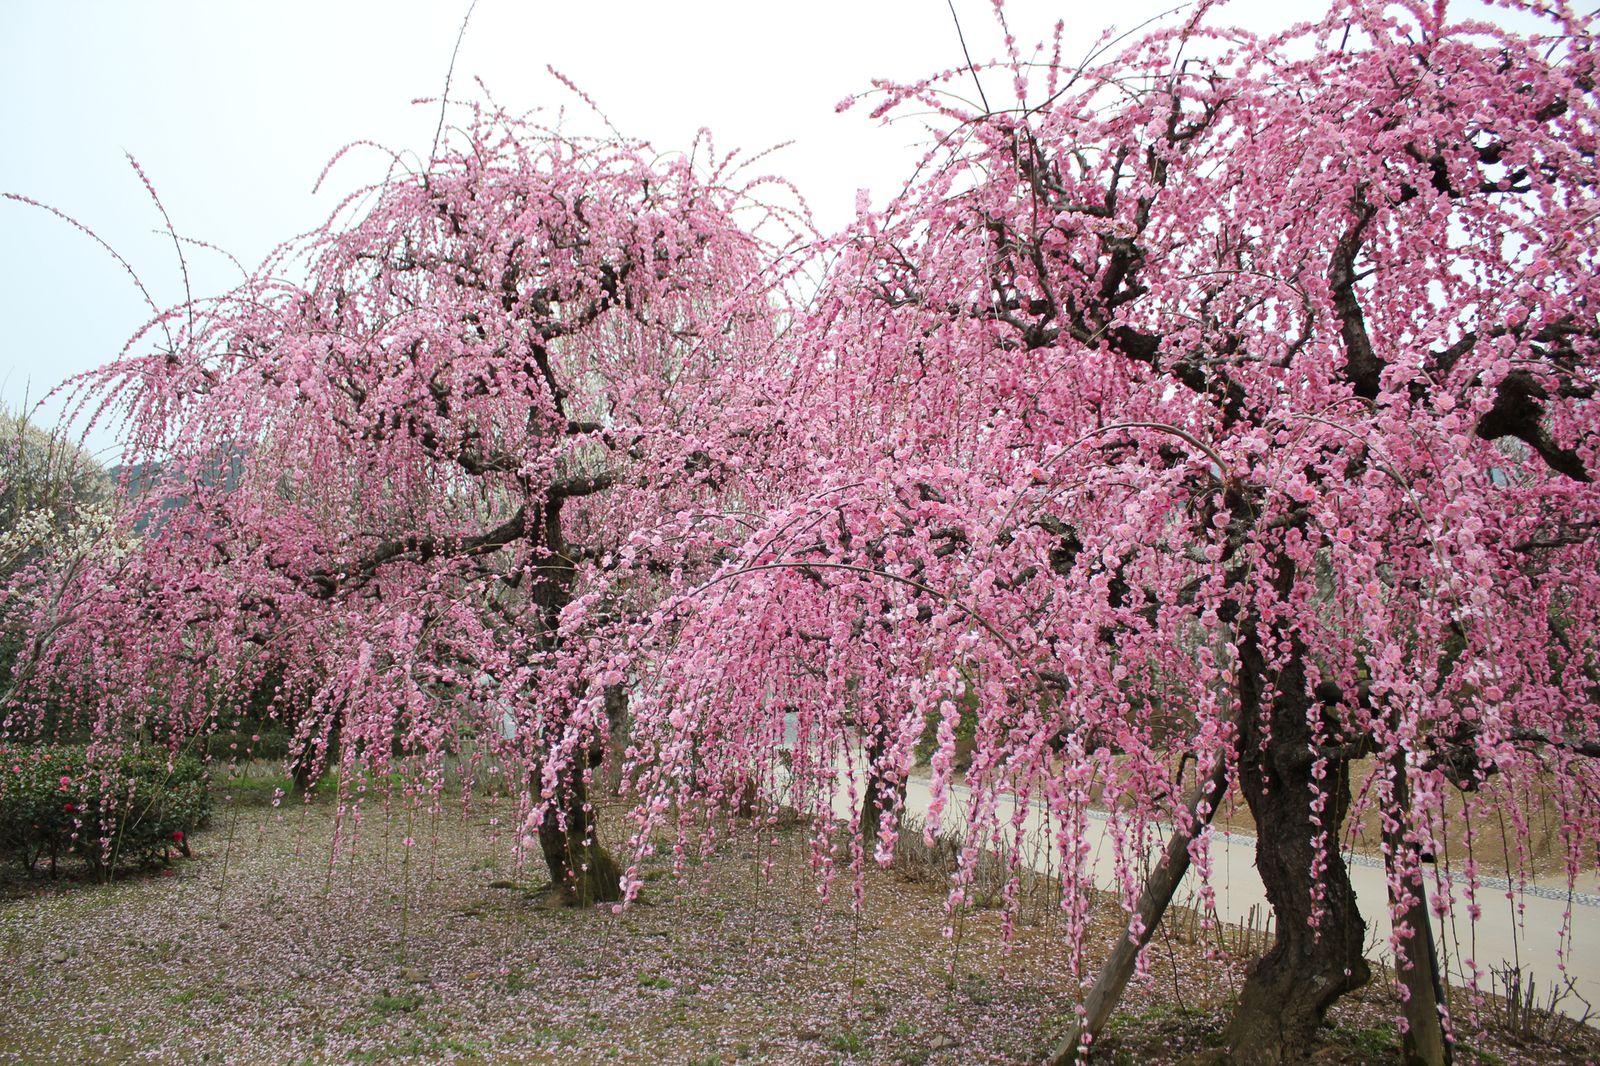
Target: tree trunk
(582, 873)
(1291, 987)
(882, 793)
(621, 726)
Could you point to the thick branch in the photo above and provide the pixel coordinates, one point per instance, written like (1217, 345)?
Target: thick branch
(419, 549)
(1362, 365)
(1518, 412)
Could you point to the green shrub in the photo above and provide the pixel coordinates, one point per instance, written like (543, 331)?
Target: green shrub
(966, 725)
(125, 810)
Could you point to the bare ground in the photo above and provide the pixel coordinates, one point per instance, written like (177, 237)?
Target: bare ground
(260, 949)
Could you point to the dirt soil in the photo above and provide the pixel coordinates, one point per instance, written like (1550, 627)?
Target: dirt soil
(262, 950)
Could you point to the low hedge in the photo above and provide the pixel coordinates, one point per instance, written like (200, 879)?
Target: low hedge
(127, 810)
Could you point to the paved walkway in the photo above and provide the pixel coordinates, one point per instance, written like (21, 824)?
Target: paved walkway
(1521, 924)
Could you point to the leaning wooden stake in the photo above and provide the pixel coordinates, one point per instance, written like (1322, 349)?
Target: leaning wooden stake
(1425, 1043)
(1153, 901)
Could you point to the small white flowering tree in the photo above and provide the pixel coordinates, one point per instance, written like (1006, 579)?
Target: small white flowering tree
(56, 506)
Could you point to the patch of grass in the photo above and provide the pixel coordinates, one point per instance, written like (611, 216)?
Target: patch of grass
(651, 981)
(391, 1004)
(1375, 1043)
(419, 1047)
(553, 1034)
(848, 1041)
(1156, 1015)
(164, 949)
(1482, 1056)
(251, 791)
(460, 1047)
(1133, 1036)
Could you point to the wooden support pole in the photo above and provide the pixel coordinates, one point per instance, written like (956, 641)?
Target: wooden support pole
(1153, 901)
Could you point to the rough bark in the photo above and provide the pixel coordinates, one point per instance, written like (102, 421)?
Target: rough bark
(1291, 987)
(582, 873)
(621, 726)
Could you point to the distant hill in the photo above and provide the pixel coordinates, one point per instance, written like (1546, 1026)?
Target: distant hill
(140, 480)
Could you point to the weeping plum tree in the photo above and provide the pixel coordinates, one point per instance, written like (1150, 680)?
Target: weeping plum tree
(502, 379)
(1217, 413)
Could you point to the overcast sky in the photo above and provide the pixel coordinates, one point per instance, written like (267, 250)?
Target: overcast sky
(233, 108)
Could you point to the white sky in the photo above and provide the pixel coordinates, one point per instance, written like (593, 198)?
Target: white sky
(233, 108)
